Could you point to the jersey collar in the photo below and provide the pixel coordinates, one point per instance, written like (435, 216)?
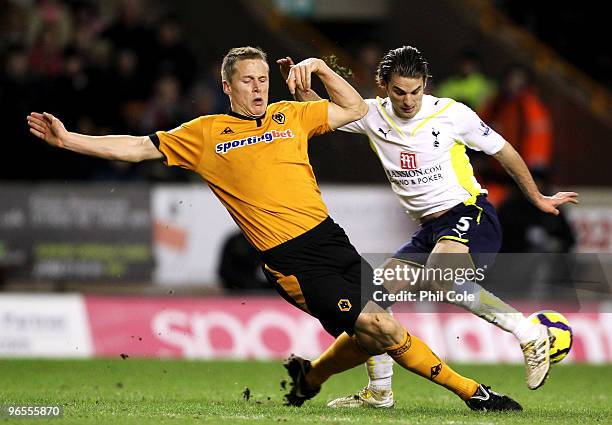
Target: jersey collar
(387, 111)
(246, 118)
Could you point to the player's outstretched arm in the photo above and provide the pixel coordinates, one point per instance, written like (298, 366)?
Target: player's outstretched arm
(124, 148)
(514, 165)
(310, 95)
(346, 104)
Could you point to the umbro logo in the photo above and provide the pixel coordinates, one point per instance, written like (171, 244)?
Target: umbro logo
(227, 131)
(435, 370)
(383, 132)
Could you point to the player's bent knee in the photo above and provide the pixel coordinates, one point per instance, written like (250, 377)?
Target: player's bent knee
(381, 327)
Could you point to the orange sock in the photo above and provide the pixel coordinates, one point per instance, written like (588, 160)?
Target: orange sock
(343, 354)
(414, 355)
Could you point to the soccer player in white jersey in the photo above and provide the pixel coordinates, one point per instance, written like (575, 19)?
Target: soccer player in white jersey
(421, 142)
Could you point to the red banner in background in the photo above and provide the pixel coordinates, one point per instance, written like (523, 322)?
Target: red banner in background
(268, 327)
(253, 327)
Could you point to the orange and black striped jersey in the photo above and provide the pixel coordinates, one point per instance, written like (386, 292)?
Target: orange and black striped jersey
(258, 168)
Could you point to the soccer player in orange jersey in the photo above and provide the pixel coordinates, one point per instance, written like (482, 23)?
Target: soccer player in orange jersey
(255, 160)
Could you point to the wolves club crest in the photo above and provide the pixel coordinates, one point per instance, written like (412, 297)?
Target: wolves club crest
(279, 117)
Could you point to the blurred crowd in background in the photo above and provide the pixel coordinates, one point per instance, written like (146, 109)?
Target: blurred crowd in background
(102, 67)
(124, 67)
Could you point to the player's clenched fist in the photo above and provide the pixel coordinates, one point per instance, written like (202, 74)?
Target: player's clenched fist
(48, 128)
(299, 74)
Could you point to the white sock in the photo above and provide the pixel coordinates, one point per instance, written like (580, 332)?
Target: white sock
(380, 372)
(526, 331)
(493, 310)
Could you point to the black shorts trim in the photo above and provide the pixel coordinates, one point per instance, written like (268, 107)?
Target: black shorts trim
(324, 228)
(320, 272)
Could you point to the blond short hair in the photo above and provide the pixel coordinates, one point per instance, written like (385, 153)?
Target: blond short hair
(237, 54)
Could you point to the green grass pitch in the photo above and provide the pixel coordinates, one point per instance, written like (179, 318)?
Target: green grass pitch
(134, 391)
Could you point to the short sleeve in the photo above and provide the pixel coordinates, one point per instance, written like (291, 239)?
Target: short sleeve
(359, 126)
(353, 127)
(473, 132)
(313, 117)
(182, 146)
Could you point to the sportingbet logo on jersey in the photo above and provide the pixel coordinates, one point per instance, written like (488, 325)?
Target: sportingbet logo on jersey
(267, 137)
(408, 161)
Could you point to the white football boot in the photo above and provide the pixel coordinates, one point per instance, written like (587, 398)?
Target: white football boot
(537, 358)
(367, 397)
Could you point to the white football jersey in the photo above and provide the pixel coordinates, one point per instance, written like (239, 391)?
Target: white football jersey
(424, 157)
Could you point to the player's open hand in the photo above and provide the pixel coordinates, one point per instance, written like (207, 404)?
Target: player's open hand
(300, 74)
(549, 204)
(48, 128)
(285, 65)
